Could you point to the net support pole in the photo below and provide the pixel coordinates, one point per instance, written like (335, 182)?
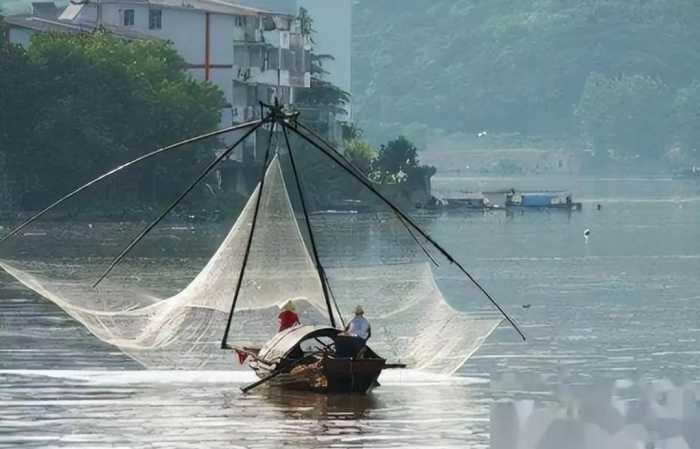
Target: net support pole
(368, 184)
(312, 240)
(115, 170)
(177, 201)
(241, 273)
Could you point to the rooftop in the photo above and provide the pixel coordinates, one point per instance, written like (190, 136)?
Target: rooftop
(44, 25)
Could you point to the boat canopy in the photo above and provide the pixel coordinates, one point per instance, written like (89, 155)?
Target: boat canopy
(284, 342)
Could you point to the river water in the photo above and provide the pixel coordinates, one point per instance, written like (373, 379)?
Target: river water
(620, 305)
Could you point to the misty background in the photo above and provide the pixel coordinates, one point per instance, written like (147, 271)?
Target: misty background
(615, 82)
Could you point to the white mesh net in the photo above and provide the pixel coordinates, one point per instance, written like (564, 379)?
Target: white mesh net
(411, 320)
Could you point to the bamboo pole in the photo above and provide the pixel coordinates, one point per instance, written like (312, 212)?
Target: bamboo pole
(312, 240)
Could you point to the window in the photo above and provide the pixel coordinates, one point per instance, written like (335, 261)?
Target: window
(128, 17)
(155, 19)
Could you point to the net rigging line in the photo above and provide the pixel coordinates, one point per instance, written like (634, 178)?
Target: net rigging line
(115, 170)
(334, 155)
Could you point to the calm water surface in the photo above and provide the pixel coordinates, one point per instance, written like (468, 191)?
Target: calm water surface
(622, 305)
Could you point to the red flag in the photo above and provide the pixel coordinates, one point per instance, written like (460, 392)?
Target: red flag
(242, 356)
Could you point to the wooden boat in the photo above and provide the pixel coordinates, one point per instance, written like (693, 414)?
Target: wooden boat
(319, 359)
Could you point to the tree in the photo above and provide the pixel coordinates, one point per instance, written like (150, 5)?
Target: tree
(628, 115)
(508, 66)
(104, 100)
(397, 161)
(361, 154)
(322, 93)
(17, 79)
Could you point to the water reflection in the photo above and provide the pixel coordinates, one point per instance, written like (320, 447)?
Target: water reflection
(303, 405)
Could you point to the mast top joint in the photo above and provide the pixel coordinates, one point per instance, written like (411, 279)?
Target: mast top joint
(277, 112)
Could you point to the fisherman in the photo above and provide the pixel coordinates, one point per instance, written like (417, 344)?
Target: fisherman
(288, 316)
(352, 342)
(359, 326)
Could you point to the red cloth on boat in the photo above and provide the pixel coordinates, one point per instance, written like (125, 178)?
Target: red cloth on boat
(242, 356)
(287, 320)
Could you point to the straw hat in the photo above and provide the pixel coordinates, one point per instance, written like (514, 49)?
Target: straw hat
(359, 310)
(289, 306)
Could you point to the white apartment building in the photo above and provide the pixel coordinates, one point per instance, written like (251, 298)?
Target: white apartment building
(251, 54)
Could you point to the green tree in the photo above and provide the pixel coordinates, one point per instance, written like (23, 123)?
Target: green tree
(507, 66)
(322, 94)
(361, 154)
(628, 115)
(397, 161)
(17, 101)
(105, 100)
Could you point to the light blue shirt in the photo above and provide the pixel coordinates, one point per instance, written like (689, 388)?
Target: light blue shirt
(359, 327)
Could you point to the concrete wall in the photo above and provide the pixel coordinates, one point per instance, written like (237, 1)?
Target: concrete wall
(21, 36)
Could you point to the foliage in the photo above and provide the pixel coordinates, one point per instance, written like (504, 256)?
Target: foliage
(509, 66)
(397, 161)
(105, 101)
(322, 94)
(17, 101)
(361, 154)
(628, 115)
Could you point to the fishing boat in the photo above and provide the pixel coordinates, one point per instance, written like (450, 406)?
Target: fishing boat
(269, 256)
(318, 359)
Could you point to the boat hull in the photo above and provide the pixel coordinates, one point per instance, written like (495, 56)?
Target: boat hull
(330, 376)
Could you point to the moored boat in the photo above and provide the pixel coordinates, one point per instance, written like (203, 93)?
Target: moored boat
(554, 200)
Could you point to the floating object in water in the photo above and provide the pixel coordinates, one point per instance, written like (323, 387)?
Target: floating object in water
(599, 206)
(90, 225)
(587, 233)
(527, 306)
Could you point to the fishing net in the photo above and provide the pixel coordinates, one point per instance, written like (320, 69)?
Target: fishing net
(411, 320)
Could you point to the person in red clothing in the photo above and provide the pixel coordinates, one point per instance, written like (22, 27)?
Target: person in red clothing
(288, 316)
